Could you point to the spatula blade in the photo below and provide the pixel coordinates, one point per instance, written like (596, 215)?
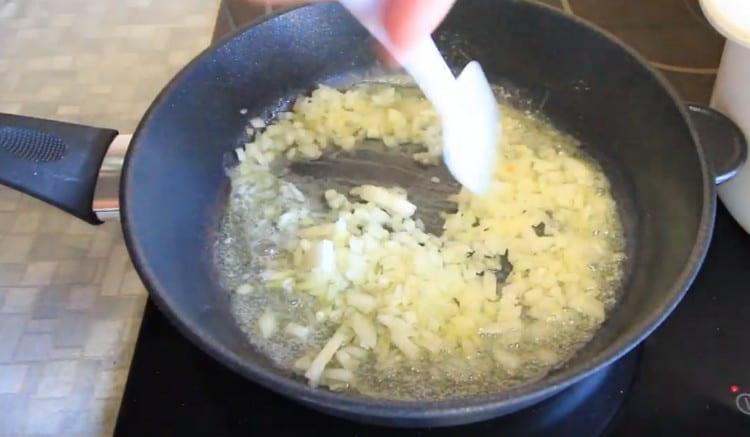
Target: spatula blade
(471, 132)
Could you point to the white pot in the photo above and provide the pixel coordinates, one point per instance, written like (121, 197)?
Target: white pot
(731, 93)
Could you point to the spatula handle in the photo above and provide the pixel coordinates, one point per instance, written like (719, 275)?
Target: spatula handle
(423, 61)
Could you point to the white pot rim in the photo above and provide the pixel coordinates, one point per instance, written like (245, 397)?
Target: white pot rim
(731, 18)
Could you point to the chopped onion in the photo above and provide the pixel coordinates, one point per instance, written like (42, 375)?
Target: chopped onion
(356, 352)
(297, 330)
(406, 346)
(512, 266)
(346, 360)
(510, 361)
(244, 289)
(324, 258)
(365, 331)
(342, 375)
(267, 324)
(361, 301)
(240, 152)
(386, 199)
(325, 355)
(257, 123)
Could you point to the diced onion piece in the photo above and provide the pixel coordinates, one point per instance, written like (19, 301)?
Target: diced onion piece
(324, 258)
(431, 342)
(346, 360)
(400, 333)
(361, 301)
(508, 360)
(588, 306)
(257, 123)
(240, 152)
(388, 200)
(406, 346)
(342, 375)
(267, 324)
(365, 331)
(335, 199)
(356, 352)
(287, 285)
(297, 330)
(357, 269)
(325, 355)
(397, 326)
(244, 289)
(257, 156)
(289, 190)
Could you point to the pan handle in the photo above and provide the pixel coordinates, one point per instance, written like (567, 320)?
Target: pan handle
(53, 161)
(722, 140)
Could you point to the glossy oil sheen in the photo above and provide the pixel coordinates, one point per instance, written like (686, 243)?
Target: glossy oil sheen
(586, 84)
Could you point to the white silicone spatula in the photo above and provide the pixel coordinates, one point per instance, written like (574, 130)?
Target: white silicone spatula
(466, 105)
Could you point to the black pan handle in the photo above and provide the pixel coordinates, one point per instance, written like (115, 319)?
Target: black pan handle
(53, 161)
(722, 140)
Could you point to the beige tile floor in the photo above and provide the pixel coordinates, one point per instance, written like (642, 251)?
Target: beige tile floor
(70, 301)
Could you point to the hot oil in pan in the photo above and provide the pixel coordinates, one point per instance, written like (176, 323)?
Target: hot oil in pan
(247, 245)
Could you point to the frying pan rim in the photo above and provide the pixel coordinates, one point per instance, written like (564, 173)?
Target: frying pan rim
(475, 406)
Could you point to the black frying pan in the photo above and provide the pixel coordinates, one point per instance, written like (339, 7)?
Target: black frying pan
(589, 85)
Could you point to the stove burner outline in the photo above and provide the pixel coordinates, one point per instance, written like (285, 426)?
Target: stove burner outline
(743, 403)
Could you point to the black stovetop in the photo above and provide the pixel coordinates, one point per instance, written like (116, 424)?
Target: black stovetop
(691, 377)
